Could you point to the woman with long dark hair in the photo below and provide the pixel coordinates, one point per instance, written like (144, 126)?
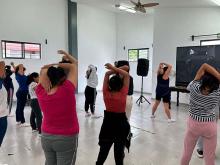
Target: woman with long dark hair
(21, 93)
(115, 127)
(33, 80)
(57, 100)
(163, 90)
(204, 97)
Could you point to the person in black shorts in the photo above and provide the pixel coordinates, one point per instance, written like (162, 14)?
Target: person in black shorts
(163, 90)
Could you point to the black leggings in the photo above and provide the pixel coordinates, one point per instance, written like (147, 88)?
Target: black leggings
(35, 114)
(90, 97)
(118, 152)
(21, 101)
(10, 93)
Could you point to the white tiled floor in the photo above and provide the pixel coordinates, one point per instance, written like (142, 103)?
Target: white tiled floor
(155, 142)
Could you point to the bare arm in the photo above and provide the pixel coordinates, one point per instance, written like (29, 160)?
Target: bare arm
(68, 56)
(2, 69)
(125, 68)
(73, 72)
(121, 72)
(20, 68)
(44, 80)
(106, 79)
(13, 65)
(167, 73)
(70, 67)
(159, 67)
(206, 68)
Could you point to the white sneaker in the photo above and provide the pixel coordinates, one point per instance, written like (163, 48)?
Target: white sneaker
(10, 115)
(18, 123)
(152, 116)
(87, 114)
(95, 116)
(171, 120)
(34, 130)
(24, 125)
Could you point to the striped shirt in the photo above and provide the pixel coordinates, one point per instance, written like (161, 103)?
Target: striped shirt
(202, 107)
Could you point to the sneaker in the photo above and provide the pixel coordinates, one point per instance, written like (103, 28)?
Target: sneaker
(95, 116)
(18, 123)
(152, 116)
(24, 125)
(11, 115)
(199, 153)
(34, 130)
(87, 114)
(171, 120)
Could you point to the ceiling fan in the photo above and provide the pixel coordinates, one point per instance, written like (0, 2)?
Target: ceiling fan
(141, 7)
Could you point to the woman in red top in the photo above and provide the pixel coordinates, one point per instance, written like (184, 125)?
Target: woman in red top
(60, 126)
(115, 128)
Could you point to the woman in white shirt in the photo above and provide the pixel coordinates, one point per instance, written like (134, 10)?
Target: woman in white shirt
(33, 80)
(4, 112)
(90, 91)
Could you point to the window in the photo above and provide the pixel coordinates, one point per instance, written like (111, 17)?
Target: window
(32, 51)
(210, 42)
(134, 54)
(11, 50)
(20, 50)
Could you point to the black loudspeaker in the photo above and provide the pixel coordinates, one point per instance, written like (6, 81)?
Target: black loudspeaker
(122, 63)
(142, 67)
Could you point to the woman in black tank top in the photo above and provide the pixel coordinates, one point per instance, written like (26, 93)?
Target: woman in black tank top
(163, 90)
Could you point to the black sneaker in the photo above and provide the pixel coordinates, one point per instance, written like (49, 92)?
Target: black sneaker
(199, 153)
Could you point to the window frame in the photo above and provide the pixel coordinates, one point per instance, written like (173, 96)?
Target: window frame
(22, 49)
(138, 49)
(207, 41)
(30, 56)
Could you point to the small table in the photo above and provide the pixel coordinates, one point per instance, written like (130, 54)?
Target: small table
(178, 89)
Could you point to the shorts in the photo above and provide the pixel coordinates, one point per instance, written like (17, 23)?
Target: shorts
(166, 98)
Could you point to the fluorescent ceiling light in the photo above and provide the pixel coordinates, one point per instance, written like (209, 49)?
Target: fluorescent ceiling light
(217, 2)
(122, 8)
(126, 8)
(131, 10)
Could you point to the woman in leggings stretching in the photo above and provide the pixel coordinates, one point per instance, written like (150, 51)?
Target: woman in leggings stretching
(115, 127)
(33, 80)
(21, 94)
(204, 97)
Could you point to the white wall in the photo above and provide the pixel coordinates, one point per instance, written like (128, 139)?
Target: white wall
(96, 41)
(173, 28)
(135, 31)
(35, 21)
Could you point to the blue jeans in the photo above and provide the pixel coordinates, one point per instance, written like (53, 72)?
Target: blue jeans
(3, 128)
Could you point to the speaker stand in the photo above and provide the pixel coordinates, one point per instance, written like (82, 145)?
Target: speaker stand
(141, 99)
